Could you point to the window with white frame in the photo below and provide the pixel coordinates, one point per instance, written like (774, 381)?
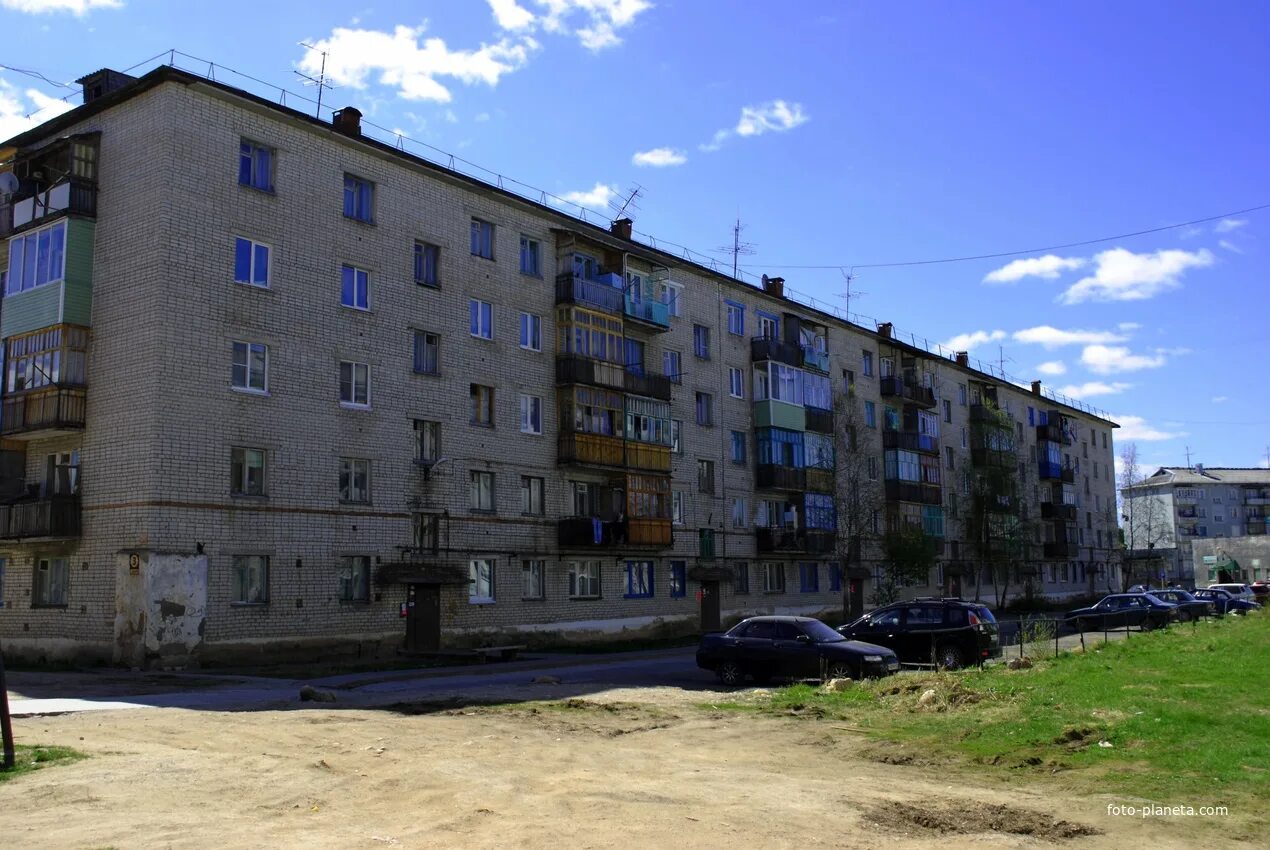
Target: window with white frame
(671, 363)
(427, 264)
(740, 513)
(676, 432)
(52, 582)
(482, 239)
(247, 472)
(480, 319)
(736, 382)
(531, 496)
(354, 578)
(530, 414)
(532, 574)
(250, 370)
(670, 294)
(251, 262)
(530, 332)
(255, 165)
(677, 507)
(482, 491)
(480, 580)
(584, 579)
(773, 578)
(354, 384)
(354, 480)
(354, 287)
(36, 257)
(866, 363)
(250, 579)
(529, 257)
(736, 318)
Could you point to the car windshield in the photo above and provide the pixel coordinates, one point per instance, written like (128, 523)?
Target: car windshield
(819, 632)
(1153, 599)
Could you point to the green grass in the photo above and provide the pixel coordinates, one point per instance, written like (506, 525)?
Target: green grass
(1185, 710)
(29, 758)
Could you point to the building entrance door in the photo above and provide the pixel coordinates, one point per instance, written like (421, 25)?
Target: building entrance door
(423, 617)
(710, 620)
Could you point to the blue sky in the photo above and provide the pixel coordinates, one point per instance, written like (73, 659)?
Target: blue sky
(847, 134)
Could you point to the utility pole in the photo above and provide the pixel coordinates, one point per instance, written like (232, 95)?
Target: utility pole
(6, 725)
(1188, 457)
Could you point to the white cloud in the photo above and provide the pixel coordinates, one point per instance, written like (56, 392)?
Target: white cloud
(75, 7)
(402, 60)
(1218, 399)
(1128, 326)
(1052, 337)
(1121, 275)
(603, 18)
(1226, 225)
(1230, 246)
(659, 157)
(1136, 428)
(481, 117)
(1048, 267)
(967, 342)
(16, 106)
(511, 16)
(775, 116)
(1108, 359)
(597, 198)
(1093, 388)
(1052, 367)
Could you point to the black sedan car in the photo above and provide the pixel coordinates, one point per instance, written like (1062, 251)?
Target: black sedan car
(790, 648)
(1225, 603)
(1124, 609)
(1188, 607)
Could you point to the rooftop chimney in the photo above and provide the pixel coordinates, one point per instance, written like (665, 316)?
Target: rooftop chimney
(963, 358)
(348, 121)
(884, 329)
(621, 228)
(1036, 388)
(774, 285)
(101, 83)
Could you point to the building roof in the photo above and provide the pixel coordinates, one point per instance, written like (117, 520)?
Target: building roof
(1199, 476)
(168, 73)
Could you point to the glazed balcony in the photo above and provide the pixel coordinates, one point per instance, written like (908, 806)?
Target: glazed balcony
(650, 384)
(910, 441)
(1048, 471)
(815, 359)
(808, 541)
(648, 313)
(1257, 497)
(909, 392)
(912, 491)
(818, 420)
(54, 517)
(780, 414)
(770, 476)
(1058, 511)
(576, 369)
(769, 348)
(820, 480)
(46, 412)
(595, 294)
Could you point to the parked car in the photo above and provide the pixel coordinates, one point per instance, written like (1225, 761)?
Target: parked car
(951, 633)
(1226, 603)
(1188, 607)
(1261, 590)
(790, 648)
(1124, 609)
(1235, 589)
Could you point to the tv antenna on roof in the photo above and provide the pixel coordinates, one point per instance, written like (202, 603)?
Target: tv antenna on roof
(628, 201)
(320, 82)
(737, 248)
(849, 278)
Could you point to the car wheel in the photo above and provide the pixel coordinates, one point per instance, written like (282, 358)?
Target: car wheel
(1184, 616)
(730, 673)
(948, 657)
(1148, 624)
(840, 670)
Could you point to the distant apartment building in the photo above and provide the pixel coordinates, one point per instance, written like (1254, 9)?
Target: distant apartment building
(1176, 507)
(274, 388)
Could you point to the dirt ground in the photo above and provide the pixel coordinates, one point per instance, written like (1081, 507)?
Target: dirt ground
(645, 768)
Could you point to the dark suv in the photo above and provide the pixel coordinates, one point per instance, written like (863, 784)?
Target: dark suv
(948, 633)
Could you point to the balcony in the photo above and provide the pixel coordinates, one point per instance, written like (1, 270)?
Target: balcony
(983, 414)
(56, 517)
(815, 359)
(73, 197)
(1256, 526)
(818, 420)
(769, 348)
(592, 532)
(1048, 471)
(572, 289)
(770, 476)
(590, 449)
(41, 413)
(911, 491)
(1061, 550)
(809, 541)
(647, 312)
(647, 384)
(1000, 503)
(1257, 497)
(779, 414)
(820, 480)
(1049, 433)
(1058, 511)
(649, 457)
(992, 457)
(894, 387)
(910, 441)
(1188, 512)
(576, 369)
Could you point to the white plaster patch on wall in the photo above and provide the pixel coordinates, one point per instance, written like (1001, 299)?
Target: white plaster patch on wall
(176, 595)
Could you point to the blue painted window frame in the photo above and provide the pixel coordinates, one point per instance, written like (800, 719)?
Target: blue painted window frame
(639, 580)
(678, 579)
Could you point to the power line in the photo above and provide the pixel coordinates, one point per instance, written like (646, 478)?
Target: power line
(1000, 254)
(37, 75)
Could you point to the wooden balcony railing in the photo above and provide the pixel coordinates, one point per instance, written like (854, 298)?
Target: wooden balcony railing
(56, 516)
(47, 409)
(770, 476)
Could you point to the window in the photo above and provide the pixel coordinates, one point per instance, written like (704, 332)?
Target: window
(736, 318)
(427, 440)
(251, 367)
(359, 199)
(255, 166)
(481, 319)
(948, 456)
(355, 287)
(482, 239)
(354, 384)
(36, 258)
(835, 578)
(427, 532)
(529, 257)
(873, 468)
(354, 480)
(2, 565)
(531, 501)
(482, 491)
(52, 582)
(355, 578)
(482, 407)
(584, 579)
(427, 264)
(530, 414)
(808, 577)
(251, 262)
(670, 294)
(961, 394)
(740, 513)
(736, 382)
(677, 507)
(678, 579)
(427, 353)
(701, 341)
(676, 431)
(530, 332)
(773, 578)
(866, 364)
(250, 580)
(870, 414)
(965, 437)
(480, 583)
(948, 410)
(639, 579)
(670, 364)
(740, 578)
(247, 472)
(705, 409)
(532, 573)
(848, 381)
(738, 447)
(705, 476)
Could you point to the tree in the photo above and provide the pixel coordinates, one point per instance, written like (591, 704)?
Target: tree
(857, 489)
(1146, 516)
(908, 554)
